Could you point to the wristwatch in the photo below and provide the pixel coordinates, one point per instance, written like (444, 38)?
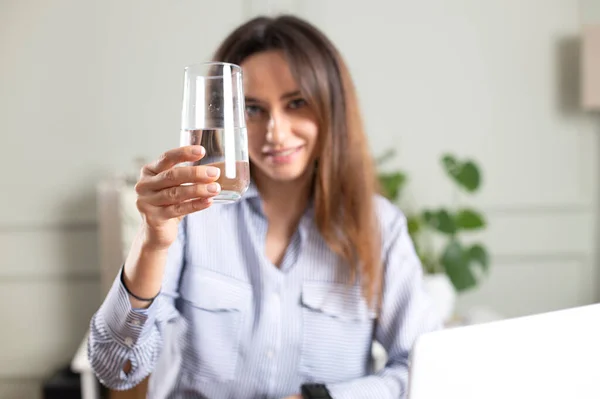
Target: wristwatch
(315, 391)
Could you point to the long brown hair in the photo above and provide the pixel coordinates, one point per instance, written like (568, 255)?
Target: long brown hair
(345, 181)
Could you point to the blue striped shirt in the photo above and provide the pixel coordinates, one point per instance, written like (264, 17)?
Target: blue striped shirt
(229, 324)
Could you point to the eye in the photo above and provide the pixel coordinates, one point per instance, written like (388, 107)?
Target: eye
(253, 110)
(297, 103)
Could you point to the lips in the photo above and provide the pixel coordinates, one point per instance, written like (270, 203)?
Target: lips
(283, 157)
(282, 153)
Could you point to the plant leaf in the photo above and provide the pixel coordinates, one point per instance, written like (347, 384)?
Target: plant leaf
(414, 225)
(469, 177)
(451, 165)
(469, 219)
(428, 263)
(392, 184)
(456, 264)
(478, 254)
(465, 174)
(440, 220)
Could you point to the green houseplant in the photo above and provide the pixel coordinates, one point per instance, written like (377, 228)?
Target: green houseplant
(464, 263)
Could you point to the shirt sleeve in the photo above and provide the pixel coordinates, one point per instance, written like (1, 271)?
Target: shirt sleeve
(406, 313)
(121, 334)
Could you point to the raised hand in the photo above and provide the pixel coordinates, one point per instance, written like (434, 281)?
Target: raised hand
(167, 191)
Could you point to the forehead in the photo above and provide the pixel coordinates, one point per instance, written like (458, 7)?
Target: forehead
(267, 72)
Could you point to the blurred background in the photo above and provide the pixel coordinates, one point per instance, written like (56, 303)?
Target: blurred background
(89, 89)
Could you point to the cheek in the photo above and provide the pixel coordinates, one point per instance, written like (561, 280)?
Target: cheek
(255, 137)
(309, 131)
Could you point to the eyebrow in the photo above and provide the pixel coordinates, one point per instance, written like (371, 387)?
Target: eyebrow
(290, 94)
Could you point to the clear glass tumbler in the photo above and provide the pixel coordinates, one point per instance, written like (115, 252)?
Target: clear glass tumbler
(213, 116)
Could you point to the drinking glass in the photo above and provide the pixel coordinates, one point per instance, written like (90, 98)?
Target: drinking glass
(213, 116)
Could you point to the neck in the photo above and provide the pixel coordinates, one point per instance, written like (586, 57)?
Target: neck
(284, 201)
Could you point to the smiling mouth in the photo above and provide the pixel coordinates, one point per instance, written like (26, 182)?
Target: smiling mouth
(282, 153)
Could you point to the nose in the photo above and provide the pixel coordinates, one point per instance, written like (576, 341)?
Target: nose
(278, 128)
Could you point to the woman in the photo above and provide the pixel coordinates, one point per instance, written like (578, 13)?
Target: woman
(290, 285)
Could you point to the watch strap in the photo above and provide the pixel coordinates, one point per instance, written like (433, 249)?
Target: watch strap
(315, 391)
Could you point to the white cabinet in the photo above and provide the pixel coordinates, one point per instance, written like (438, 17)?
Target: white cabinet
(118, 222)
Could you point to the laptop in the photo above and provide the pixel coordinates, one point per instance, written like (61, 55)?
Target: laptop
(554, 355)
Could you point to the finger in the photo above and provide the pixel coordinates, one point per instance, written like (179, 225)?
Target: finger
(177, 194)
(177, 176)
(185, 208)
(173, 157)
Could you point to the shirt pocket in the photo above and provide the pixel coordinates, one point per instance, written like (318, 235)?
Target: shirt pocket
(216, 308)
(337, 332)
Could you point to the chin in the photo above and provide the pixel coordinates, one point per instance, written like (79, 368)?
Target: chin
(281, 171)
(286, 175)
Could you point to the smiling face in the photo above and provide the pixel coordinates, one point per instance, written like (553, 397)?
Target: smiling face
(282, 127)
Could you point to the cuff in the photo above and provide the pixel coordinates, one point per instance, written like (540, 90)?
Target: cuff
(127, 325)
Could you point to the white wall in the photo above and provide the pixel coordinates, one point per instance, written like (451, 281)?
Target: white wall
(590, 11)
(498, 81)
(87, 86)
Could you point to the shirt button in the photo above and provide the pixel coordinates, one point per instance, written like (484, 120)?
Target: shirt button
(128, 341)
(270, 354)
(136, 322)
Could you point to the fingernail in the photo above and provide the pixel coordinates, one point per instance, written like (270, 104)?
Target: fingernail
(197, 150)
(213, 188)
(211, 171)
